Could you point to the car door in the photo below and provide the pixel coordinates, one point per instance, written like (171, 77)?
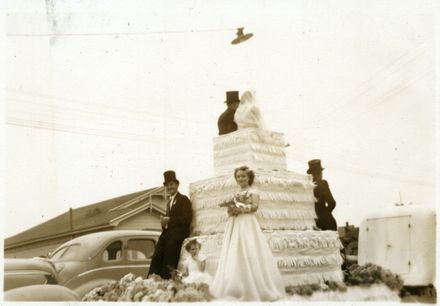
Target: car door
(107, 264)
(138, 253)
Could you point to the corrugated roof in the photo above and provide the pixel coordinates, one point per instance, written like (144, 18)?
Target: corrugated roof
(94, 215)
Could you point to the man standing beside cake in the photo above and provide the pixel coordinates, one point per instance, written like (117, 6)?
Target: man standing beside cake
(325, 203)
(175, 229)
(226, 122)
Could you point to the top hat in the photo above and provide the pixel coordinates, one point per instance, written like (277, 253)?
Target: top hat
(231, 97)
(314, 166)
(170, 176)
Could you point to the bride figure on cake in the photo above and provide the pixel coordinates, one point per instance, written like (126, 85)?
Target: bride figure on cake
(246, 270)
(248, 114)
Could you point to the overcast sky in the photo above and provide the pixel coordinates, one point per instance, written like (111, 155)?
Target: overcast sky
(103, 96)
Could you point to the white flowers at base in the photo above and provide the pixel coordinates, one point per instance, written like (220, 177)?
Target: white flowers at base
(132, 289)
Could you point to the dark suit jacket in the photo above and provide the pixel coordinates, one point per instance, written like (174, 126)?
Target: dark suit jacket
(324, 206)
(226, 122)
(167, 251)
(180, 213)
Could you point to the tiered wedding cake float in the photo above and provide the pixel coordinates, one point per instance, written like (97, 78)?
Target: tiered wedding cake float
(286, 212)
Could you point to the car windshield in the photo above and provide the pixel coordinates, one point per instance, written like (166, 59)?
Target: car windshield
(69, 252)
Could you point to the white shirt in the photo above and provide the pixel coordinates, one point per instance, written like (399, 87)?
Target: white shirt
(172, 198)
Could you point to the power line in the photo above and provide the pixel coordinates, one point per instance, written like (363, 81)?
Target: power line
(348, 100)
(419, 51)
(384, 99)
(60, 116)
(347, 167)
(379, 101)
(114, 34)
(75, 129)
(103, 107)
(61, 110)
(332, 151)
(375, 174)
(72, 129)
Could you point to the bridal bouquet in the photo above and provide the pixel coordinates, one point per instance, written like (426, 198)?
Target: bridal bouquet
(237, 202)
(229, 204)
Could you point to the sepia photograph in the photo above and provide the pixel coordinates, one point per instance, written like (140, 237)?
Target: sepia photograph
(219, 151)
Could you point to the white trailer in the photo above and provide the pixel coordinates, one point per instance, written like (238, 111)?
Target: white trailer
(401, 239)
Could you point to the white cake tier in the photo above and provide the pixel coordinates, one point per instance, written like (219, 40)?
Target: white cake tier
(286, 201)
(251, 147)
(303, 257)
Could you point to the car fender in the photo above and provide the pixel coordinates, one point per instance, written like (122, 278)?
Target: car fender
(89, 286)
(41, 293)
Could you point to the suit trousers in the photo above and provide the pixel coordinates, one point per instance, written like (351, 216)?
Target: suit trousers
(167, 253)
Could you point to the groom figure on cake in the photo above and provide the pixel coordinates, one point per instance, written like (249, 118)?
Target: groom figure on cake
(226, 122)
(175, 228)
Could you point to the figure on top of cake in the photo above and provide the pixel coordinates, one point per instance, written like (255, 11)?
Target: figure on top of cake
(226, 123)
(248, 114)
(241, 113)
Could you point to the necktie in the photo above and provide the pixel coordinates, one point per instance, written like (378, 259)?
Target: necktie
(172, 202)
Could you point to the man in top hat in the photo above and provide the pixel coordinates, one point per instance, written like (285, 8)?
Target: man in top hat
(226, 122)
(325, 203)
(175, 228)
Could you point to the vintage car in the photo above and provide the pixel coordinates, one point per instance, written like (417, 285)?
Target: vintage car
(92, 260)
(39, 293)
(20, 272)
(33, 279)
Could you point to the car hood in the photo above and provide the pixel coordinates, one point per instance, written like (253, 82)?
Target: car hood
(41, 264)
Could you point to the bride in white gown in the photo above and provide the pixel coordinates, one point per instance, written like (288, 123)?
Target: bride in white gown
(247, 270)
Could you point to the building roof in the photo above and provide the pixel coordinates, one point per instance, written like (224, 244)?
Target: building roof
(99, 215)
